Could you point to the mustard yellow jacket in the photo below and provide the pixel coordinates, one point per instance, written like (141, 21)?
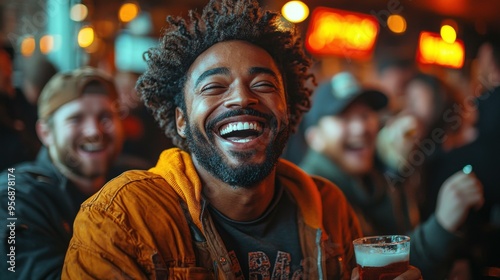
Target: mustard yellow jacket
(154, 225)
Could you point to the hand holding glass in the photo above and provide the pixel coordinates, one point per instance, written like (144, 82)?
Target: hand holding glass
(382, 257)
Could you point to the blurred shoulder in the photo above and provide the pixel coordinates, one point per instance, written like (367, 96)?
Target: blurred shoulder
(330, 192)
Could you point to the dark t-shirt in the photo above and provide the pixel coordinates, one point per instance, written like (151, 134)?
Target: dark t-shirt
(266, 248)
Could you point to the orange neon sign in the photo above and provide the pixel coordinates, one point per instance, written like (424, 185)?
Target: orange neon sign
(342, 33)
(432, 49)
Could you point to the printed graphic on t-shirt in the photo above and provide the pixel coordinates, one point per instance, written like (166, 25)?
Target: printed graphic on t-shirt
(260, 267)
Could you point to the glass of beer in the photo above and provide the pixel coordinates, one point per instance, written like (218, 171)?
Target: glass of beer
(382, 257)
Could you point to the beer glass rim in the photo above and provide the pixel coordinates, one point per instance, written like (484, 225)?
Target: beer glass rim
(394, 240)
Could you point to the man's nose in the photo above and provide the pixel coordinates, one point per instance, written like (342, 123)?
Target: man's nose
(357, 126)
(92, 128)
(241, 97)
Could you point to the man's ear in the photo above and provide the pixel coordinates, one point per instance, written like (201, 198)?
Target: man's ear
(44, 133)
(180, 122)
(314, 139)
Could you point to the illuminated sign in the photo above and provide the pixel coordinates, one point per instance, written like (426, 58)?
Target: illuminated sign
(432, 49)
(341, 33)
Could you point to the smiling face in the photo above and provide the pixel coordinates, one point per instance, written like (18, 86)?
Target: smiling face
(236, 119)
(84, 136)
(349, 138)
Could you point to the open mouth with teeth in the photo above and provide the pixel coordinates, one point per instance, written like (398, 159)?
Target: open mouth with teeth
(241, 132)
(92, 147)
(358, 147)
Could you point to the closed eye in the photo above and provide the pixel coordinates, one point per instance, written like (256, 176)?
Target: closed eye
(212, 89)
(74, 119)
(264, 87)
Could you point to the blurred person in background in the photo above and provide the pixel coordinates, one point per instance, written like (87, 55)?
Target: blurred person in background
(37, 70)
(433, 118)
(17, 118)
(35, 73)
(392, 75)
(478, 120)
(342, 129)
(442, 139)
(485, 242)
(488, 116)
(79, 126)
(488, 102)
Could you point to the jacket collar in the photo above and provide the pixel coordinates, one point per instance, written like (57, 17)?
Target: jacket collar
(45, 167)
(177, 168)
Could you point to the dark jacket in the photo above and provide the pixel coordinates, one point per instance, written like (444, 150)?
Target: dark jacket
(386, 209)
(18, 137)
(43, 206)
(154, 225)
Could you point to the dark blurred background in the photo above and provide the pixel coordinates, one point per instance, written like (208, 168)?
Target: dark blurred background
(53, 27)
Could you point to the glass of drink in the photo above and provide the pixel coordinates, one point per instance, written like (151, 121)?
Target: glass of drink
(382, 257)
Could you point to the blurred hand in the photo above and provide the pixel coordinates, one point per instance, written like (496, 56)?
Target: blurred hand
(458, 194)
(397, 139)
(411, 274)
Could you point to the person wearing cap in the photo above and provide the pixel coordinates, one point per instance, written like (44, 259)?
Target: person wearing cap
(341, 132)
(341, 103)
(79, 126)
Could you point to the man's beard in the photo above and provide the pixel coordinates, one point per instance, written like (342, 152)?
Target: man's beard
(70, 161)
(246, 175)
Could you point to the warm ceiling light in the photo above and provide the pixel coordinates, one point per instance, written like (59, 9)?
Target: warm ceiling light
(448, 34)
(78, 12)
(86, 36)
(28, 46)
(295, 11)
(128, 12)
(341, 33)
(396, 23)
(432, 49)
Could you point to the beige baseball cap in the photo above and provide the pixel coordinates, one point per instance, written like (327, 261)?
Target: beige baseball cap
(68, 86)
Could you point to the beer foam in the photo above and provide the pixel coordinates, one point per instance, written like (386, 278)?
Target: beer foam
(378, 259)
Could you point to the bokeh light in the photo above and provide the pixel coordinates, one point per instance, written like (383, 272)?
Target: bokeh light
(448, 34)
(86, 36)
(432, 49)
(46, 44)
(28, 46)
(128, 12)
(78, 12)
(295, 11)
(342, 33)
(396, 24)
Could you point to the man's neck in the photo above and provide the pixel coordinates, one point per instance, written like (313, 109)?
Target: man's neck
(88, 186)
(237, 203)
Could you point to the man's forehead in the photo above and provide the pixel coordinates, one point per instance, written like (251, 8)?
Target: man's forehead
(87, 103)
(95, 87)
(231, 54)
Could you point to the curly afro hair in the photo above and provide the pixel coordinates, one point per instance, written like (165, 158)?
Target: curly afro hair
(161, 85)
